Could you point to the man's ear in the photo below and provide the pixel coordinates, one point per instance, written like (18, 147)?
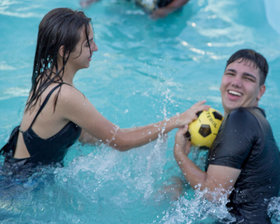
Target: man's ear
(261, 92)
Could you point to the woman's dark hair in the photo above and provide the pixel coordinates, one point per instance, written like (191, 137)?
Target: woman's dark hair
(251, 55)
(59, 27)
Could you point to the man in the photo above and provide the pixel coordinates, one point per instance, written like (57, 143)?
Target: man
(244, 161)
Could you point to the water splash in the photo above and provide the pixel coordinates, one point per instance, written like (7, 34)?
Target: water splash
(193, 208)
(274, 209)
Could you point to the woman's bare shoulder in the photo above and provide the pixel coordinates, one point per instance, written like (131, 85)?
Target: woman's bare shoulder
(69, 93)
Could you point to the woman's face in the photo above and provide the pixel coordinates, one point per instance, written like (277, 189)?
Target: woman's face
(81, 56)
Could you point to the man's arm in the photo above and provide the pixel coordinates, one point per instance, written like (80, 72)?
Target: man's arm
(218, 179)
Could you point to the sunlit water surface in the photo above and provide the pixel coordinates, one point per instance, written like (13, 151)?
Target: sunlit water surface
(144, 71)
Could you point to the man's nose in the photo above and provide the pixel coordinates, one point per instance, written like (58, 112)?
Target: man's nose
(236, 81)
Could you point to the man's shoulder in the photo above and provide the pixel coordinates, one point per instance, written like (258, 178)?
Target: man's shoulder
(246, 113)
(247, 119)
(245, 110)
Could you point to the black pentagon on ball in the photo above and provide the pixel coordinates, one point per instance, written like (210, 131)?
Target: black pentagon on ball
(205, 130)
(198, 113)
(217, 115)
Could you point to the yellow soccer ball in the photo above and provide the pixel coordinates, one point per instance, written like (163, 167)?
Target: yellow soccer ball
(204, 129)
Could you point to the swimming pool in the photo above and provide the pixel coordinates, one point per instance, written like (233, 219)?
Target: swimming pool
(144, 71)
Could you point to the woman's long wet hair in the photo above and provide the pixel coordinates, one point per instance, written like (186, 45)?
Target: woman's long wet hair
(59, 27)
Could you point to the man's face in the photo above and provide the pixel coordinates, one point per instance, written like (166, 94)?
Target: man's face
(240, 85)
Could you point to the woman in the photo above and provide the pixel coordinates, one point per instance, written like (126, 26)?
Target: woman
(56, 113)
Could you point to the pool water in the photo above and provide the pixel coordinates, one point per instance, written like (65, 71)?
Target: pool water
(144, 71)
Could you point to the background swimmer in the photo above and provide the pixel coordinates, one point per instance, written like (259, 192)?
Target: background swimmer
(156, 8)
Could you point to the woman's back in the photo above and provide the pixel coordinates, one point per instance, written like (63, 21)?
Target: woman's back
(44, 133)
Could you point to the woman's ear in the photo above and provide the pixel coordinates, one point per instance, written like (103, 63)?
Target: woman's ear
(61, 51)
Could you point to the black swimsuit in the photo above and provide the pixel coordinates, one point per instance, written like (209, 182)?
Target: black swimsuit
(42, 151)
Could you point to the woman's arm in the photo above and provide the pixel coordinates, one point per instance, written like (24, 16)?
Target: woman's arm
(76, 108)
(87, 138)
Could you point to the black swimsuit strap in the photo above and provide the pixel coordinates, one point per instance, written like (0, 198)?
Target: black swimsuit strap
(44, 103)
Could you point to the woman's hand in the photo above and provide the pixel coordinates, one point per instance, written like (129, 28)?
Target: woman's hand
(190, 115)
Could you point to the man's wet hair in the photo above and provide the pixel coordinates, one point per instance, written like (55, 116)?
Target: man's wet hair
(251, 55)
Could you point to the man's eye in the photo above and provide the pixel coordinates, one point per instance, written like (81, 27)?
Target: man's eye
(249, 79)
(230, 74)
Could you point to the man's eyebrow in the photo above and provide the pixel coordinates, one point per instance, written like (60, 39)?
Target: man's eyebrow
(244, 73)
(230, 70)
(250, 75)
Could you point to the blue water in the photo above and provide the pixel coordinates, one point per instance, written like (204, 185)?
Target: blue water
(144, 71)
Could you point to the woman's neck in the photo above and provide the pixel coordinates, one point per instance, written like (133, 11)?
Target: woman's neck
(68, 73)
